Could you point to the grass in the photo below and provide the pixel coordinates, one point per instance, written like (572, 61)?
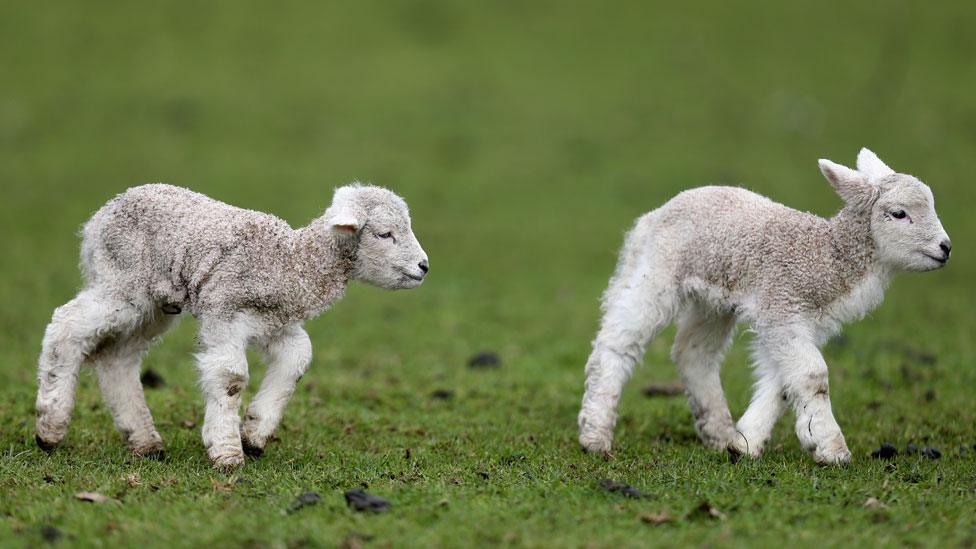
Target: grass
(525, 138)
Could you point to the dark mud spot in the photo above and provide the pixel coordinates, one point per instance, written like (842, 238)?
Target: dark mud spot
(304, 500)
(151, 379)
(50, 534)
(705, 510)
(663, 390)
(442, 394)
(621, 488)
(921, 357)
(485, 359)
(361, 501)
(886, 451)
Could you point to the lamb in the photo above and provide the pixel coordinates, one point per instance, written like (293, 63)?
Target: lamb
(715, 256)
(251, 280)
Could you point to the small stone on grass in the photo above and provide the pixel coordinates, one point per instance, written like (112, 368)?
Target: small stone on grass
(93, 497)
(50, 533)
(621, 488)
(655, 518)
(485, 359)
(886, 451)
(705, 510)
(304, 500)
(361, 501)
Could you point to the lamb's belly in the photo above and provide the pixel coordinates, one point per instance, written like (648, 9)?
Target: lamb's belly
(720, 298)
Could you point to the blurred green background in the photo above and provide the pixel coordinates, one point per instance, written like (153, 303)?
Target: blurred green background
(526, 137)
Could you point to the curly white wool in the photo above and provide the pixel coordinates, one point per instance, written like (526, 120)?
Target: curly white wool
(249, 278)
(714, 256)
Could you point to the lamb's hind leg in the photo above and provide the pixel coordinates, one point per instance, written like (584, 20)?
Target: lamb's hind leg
(117, 368)
(77, 329)
(288, 357)
(635, 311)
(699, 346)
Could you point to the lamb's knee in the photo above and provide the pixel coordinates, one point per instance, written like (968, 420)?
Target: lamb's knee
(810, 386)
(223, 373)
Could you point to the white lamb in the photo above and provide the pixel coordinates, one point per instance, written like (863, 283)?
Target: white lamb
(714, 256)
(248, 277)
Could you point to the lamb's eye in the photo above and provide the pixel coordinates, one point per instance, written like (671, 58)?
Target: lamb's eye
(899, 214)
(385, 235)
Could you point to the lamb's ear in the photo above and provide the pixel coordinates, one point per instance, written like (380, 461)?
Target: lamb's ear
(870, 165)
(850, 184)
(345, 215)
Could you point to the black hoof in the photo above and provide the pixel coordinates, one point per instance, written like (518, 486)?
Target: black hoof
(155, 455)
(45, 445)
(251, 450)
(734, 455)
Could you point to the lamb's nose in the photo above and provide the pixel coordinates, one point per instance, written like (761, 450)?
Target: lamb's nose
(424, 266)
(946, 247)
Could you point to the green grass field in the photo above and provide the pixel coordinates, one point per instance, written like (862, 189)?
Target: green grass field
(526, 137)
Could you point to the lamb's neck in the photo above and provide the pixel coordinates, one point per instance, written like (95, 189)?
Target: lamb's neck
(855, 265)
(323, 262)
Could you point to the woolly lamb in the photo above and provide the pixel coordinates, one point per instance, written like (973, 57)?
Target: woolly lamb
(714, 256)
(248, 277)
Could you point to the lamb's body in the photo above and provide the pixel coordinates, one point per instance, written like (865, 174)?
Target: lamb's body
(179, 248)
(157, 250)
(755, 271)
(715, 256)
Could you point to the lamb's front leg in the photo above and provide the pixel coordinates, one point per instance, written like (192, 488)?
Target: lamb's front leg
(223, 376)
(754, 428)
(288, 355)
(803, 372)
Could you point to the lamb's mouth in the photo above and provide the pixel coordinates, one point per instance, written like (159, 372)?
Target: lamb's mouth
(940, 260)
(411, 276)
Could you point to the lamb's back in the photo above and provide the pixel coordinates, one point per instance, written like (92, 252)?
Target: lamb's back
(170, 241)
(738, 241)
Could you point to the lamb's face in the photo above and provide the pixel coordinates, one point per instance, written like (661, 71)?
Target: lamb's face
(906, 229)
(389, 255)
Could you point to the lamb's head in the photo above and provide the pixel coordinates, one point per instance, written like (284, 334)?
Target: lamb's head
(377, 222)
(906, 230)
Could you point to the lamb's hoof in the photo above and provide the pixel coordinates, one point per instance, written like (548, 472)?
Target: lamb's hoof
(734, 454)
(251, 449)
(720, 442)
(739, 447)
(832, 456)
(153, 453)
(228, 461)
(48, 447)
(595, 443)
